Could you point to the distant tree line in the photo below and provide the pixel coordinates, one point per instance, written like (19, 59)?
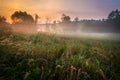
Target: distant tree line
(113, 21)
(113, 18)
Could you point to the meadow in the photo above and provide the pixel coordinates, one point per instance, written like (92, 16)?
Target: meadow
(50, 57)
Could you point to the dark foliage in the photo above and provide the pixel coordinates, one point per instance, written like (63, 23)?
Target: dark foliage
(2, 19)
(111, 24)
(22, 18)
(65, 18)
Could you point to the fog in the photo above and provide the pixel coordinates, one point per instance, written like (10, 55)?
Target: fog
(66, 31)
(78, 32)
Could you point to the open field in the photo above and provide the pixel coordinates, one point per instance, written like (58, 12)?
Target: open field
(51, 57)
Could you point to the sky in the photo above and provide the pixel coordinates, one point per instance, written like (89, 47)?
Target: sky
(84, 9)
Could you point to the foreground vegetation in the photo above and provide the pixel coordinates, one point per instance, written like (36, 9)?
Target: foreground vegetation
(51, 57)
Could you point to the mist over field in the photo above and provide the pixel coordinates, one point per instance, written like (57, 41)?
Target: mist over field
(60, 40)
(78, 31)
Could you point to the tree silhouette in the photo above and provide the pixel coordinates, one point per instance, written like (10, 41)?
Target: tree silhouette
(114, 18)
(36, 18)
(22, 18)
(2, 19)
(114, 14)
(65, 18)
(76, 19)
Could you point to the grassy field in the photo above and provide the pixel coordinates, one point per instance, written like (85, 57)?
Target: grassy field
(50, 57)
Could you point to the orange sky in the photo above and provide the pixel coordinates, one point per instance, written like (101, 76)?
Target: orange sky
(43, 9)
(84, 9)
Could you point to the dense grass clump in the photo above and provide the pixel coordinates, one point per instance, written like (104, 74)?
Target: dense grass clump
(51, 57)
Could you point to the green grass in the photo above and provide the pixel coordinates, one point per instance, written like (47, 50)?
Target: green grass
(51, 57)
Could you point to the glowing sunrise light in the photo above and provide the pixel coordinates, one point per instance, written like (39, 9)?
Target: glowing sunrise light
(84, 9)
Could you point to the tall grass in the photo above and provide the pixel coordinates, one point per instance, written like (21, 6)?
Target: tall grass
(50, 57)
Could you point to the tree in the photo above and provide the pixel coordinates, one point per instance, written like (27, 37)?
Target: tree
(22, 18)
(48, 20)
(114, 18)
(65, 18)
(2, 19)
(76, 19)
(114, 15)
(36, 18)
